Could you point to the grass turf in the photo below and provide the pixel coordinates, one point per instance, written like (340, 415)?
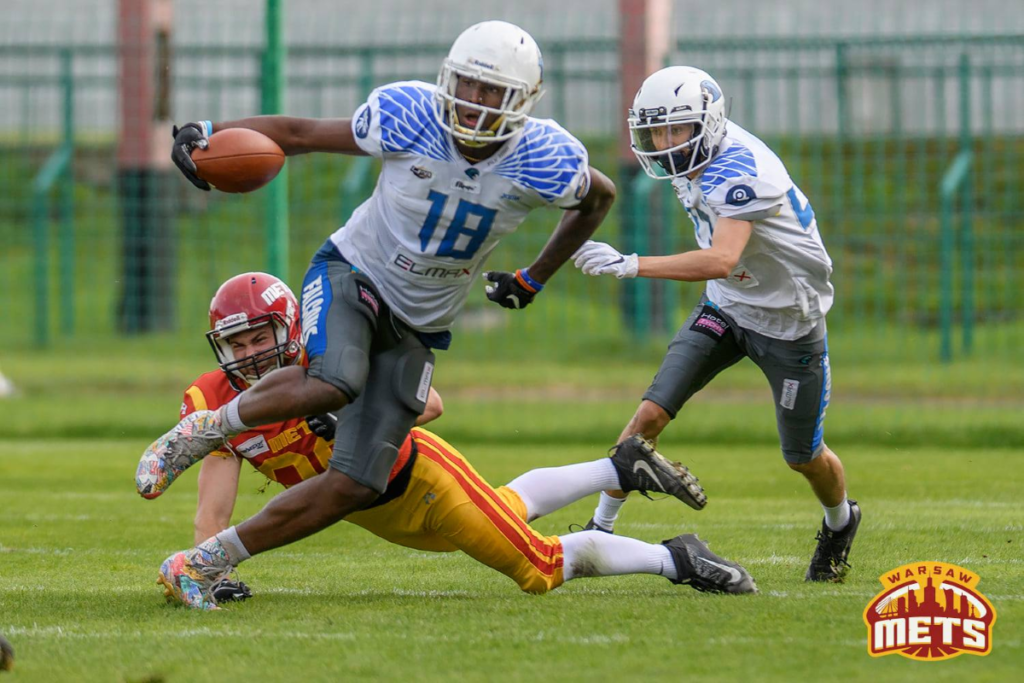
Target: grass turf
(79, 553)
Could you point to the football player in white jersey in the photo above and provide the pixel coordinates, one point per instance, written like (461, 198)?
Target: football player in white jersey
(767, 294)
(463, 164)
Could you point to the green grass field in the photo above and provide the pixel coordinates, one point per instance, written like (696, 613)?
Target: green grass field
(938, 479)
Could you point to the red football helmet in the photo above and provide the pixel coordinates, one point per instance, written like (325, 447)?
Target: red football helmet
(246, 302)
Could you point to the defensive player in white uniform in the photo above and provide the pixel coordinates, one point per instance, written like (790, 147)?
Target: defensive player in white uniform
(463, 164)
(767, 292)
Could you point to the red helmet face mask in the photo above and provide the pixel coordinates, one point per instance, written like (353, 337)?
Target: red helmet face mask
(247, 302)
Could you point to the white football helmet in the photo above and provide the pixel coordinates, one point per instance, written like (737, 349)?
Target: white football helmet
(673, 97)
(497, 53)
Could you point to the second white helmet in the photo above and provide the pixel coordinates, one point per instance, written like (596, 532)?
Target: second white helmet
(497, 53)
(670, 101)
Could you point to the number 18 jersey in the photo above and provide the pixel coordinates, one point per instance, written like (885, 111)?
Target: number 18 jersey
(434, 217)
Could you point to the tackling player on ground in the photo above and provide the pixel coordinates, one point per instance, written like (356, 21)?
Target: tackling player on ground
(767, 293)
(434, 500)
(463, 164)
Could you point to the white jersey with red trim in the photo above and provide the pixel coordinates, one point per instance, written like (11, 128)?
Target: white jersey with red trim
(780, 288)
(434, 217)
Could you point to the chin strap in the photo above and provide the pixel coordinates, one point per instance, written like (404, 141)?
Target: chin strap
(489, 133)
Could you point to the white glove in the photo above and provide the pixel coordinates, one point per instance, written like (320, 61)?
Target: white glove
(598, 258)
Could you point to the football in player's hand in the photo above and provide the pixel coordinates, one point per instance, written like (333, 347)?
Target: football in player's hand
(238, 160)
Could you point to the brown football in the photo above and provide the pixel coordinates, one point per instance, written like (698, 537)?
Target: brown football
(238, 160)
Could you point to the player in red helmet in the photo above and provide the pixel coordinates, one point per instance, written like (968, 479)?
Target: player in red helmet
(254, 332)
(254, 327)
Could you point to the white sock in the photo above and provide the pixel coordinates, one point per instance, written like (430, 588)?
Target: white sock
(552, 488)
(607, 510)
(595, 553)
(233, 546)
(232, 422)
(838, 517)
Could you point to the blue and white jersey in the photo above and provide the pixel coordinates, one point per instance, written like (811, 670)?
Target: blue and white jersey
(780, 288)
(434, 217)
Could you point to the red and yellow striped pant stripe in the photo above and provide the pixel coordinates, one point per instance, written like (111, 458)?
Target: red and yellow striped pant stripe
(449, 506)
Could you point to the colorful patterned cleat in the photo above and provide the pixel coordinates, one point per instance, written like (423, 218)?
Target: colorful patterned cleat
(197, 435)
(188, 577)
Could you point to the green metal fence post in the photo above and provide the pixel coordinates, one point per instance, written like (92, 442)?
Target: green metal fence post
(355, 185)
(966, 228)
(366, 72)
(951, 182)
(557, 80)
(66, 258)
(273, 93)
(41, 266)
(641, 189)
(842, 115)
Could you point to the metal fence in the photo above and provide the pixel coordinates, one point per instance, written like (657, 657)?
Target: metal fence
(908, 147)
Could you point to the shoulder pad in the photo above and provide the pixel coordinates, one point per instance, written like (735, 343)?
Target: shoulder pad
(547, 159)
(731, 180)
(408, 120)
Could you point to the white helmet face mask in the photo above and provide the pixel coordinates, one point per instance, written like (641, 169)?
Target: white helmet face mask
(677, 122)
(497, 55)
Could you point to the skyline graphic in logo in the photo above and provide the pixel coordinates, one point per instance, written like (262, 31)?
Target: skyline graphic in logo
(929, 611)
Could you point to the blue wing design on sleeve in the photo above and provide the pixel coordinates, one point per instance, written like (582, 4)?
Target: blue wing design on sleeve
(409, 124)
(732, 163)
(546, 160)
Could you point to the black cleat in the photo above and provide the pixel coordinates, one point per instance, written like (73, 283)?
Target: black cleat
(701, 569)
(643, 469)
(227, 590)
(591, 526)
(829, 561)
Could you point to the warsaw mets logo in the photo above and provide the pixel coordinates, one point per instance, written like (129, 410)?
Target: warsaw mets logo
(929, 611)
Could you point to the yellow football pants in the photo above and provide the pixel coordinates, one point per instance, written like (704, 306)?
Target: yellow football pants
(449, 506)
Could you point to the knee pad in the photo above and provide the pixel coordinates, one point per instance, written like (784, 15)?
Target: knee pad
(411, 378)
(349, 372)
(353, 370)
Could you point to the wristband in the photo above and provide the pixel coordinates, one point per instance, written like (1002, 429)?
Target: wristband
(208, 125)
(523, 276)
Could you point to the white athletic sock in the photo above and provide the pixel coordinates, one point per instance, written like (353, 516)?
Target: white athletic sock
(551, 488)
(838, 517)
(232, 422)
(607, 510)
(233, 546)
(595, 553)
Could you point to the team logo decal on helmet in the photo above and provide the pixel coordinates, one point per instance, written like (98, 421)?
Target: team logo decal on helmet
(252, 301)
(711, 90)
(496, 54)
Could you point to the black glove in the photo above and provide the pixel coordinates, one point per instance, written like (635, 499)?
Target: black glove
(187, 138)
(508, 290)
(227, 590)
(323, 426)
